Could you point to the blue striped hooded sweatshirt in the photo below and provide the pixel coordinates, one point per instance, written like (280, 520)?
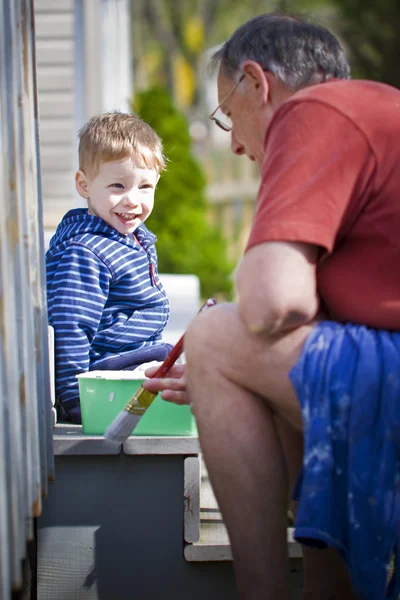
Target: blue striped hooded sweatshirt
(104, 296)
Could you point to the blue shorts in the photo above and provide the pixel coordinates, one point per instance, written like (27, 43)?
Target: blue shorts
(348, 384)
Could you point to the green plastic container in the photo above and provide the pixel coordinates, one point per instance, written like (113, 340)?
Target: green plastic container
(103, 394)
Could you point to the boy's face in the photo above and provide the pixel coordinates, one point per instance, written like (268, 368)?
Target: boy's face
(121, 193)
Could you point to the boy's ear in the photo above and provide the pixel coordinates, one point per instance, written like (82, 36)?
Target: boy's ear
(81, 184)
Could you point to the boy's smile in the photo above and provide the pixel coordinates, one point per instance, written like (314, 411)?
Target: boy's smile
(121, 193)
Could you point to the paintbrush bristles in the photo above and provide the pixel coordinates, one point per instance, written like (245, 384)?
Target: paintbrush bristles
(122, 427)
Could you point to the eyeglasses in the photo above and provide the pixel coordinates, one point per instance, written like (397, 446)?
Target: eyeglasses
(226, 124)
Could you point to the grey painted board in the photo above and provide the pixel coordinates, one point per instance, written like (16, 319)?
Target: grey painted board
(69, 439)
(112, 529)
(192, 498)
(68, 442)
(77, 445)
(161, 445)
(214, 544)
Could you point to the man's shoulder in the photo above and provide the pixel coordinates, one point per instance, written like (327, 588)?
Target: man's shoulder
(339, 105)
(343, 94)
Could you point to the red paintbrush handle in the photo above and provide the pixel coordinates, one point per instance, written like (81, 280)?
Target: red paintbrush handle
(178, 348)
(171, 359)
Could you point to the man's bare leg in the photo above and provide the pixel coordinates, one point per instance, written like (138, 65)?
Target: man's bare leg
(250, 454)
(241, 447)
(325, 576)
(325, 573)
(228, 372)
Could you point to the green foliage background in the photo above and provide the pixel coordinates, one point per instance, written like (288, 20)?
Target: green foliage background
(186, 242)
(371, 33)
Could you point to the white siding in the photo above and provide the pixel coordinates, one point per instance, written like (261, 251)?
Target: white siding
(54, 24)
(83, 68)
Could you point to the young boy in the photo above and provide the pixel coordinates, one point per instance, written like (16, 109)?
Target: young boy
(105, 300)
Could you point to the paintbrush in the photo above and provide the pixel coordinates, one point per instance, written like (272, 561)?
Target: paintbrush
(124, 423)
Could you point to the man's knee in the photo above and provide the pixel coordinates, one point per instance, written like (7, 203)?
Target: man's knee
(212, 331)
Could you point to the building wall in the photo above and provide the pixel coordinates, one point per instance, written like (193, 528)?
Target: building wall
(56, 76)
(83, 68)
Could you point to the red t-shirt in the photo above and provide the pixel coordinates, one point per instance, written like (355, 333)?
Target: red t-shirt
(331, 177)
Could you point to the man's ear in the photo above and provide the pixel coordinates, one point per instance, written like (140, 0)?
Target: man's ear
(257, 77)
(81, 184)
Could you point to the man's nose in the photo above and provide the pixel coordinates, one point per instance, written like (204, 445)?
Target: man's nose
(236, 146)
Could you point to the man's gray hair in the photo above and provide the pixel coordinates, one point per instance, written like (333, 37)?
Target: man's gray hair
(298, 52)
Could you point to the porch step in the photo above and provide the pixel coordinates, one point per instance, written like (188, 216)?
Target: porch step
(213, 544)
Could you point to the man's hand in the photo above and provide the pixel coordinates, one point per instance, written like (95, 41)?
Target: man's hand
(172, 388)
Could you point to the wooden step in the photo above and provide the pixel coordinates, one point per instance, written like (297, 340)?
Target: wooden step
(213, 543)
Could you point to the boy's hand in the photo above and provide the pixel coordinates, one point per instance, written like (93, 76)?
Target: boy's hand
(172, 387)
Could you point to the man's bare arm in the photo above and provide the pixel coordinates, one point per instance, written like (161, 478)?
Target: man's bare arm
(276, 286)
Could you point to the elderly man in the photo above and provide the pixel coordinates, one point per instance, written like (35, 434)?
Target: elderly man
(309, 354)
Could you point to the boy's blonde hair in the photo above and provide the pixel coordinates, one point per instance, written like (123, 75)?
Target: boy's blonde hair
(118, 136)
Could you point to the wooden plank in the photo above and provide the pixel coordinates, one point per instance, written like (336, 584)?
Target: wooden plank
(214, 545)
(5, 512)
(50, 334)
(84, 445)
(161, 445)
(67, 438)
(199, 552)
(192, 468)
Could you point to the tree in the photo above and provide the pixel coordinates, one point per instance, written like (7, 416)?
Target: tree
(186, 243)
(180, 29)
(370, 30)
(171, 37)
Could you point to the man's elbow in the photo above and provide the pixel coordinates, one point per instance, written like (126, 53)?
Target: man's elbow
(278, 318)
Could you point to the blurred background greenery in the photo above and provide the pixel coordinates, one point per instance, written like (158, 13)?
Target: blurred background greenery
(205, 201)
